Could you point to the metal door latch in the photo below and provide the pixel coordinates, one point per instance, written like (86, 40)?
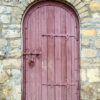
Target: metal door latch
(32, 57)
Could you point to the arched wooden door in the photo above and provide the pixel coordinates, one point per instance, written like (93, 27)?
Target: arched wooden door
(51, 53)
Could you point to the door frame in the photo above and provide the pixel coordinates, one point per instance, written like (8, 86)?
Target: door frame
(66, 5)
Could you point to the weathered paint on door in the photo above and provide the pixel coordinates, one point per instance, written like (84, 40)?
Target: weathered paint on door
(51, 53)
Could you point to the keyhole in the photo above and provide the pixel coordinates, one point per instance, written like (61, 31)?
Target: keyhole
(31, 63)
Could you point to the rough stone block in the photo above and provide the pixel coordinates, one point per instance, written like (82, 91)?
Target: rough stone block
(98, 33)
(12, 26)
(17, 10)
(96, 16)
(2, 55)
(90, 62)
(3, 77)
(85, 42)
(82, 10)
(11, 33)
(15, 53)
(97, 43)
(90, 65)
(76, 2)
(15, 43)
(88, 92)
(95, 6)
(3, 43)
(89, 53)
(7, 91)
(5, 18)
(12, 63)
(29, 1)
(86, 61)
(89, 32)
(85, 14)
(5, 9)
(96, 60)
(16, 19)
(93, 75)
(81, 5)
(83, 75)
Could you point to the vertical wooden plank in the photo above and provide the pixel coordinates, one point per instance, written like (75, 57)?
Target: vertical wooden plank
(78, 59)
(24, 58)
(74, 96)
(32, 46)
(28, 81)
(38, 58)
(63, 55)
(77, 74)
(50, 30)
(69, 57)
(44, 52)
(57, 53)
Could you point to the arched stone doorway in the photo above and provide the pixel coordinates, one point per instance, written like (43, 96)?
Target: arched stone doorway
(51, 52)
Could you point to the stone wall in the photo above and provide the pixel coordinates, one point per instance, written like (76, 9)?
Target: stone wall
(90, 53)
(11, 12)
(10, 51)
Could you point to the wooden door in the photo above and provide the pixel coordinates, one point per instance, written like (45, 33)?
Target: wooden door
(51, 53)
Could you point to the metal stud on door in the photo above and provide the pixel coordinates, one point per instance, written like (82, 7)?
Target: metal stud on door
(51, 53)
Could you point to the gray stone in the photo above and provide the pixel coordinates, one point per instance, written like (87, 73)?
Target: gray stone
(11, 63)
(89, 53)
(5, 10)
(5, 18)
(12, 26)
(3, 43)
(15, 53)
(97, 43)
(93, 75)
(3, 77)
(11, 33)
(85, 42)
(15, 43)
(83, 75)
(2, 55)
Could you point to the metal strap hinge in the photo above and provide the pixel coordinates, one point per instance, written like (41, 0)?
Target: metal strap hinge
(31, 53)
(56, 84)
(60, 35)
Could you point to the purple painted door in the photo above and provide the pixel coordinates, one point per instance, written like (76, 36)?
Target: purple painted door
(51, 53)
